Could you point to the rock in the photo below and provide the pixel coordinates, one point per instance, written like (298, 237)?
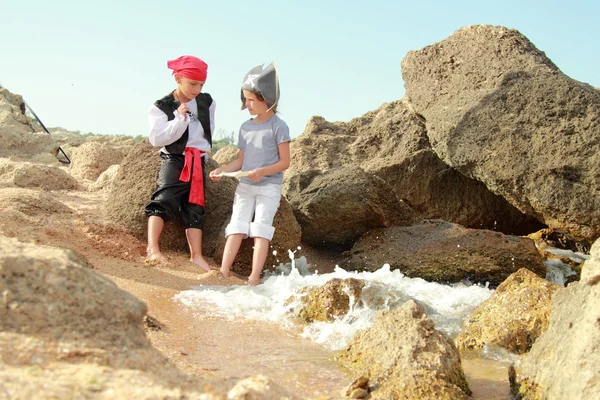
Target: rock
(564, 362)
(47, 292)
(358, 389)
(226, 154)
(31, 202)
(359, 393)
(105, 179)
(499, 111)
(12, 111)
(443, 252)
(68, 332)
(29, 175)
(17, 130)
(559, 240)
(330, 301)
(391, 143)
(405, 357)
(90, 159)
(336, 207)
(134, 184)
(513, 317)
(259, 387)
(131, 191)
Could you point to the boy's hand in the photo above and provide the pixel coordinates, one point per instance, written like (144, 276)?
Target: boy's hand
(215, 174)
(183, 110)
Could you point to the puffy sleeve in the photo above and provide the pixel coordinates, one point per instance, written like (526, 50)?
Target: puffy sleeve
(162, 131)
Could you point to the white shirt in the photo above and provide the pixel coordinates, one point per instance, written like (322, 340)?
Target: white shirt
(164, 132)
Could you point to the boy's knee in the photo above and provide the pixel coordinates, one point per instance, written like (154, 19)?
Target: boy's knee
(152, 210)
(192, 216)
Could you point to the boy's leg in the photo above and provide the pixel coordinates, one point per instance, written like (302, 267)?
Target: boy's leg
(193, 217)
(155, 227)
(164, 203)
(194, 238)
(232, 246)
(259, 256)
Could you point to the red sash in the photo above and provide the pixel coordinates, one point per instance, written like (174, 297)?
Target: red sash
(193, 157)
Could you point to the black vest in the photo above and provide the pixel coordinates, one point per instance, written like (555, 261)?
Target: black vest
(168, 105)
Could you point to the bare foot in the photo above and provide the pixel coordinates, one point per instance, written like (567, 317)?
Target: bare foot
(253, 281)
(225, 272)
(155, 255)
(201, 262)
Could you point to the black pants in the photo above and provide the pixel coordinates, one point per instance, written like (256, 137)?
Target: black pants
(170, 198)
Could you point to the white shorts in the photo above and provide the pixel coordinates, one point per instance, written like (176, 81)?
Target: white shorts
(258, 201)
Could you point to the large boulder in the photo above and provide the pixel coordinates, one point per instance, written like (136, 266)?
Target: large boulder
(405, 357)
(499, 111)
(135, 182)
(564, 362)
(513, 317)
(391, 143)
(49, 292)
(131, 191)
(443, 252)
(74, 333)
(336, 207)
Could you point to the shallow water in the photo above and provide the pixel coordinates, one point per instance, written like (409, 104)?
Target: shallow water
(488, 379)
(236, 349)
(446, 305)
(262, 337)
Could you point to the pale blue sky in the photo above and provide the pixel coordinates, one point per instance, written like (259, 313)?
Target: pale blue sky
(97, 66)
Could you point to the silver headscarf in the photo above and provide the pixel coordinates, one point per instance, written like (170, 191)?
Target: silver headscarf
(263, 81)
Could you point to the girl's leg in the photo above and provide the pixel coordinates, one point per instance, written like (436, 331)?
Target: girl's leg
(194, 238)
(261, 229)
(155, 227)
(259, 256)
(231, 248)
(239, 226)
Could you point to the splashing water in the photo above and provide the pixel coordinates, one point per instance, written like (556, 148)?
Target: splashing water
(558, 271)
(274, 300)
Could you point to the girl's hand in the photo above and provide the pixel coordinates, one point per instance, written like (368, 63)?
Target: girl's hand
(215, 174)
(256, 174)
(183, 110)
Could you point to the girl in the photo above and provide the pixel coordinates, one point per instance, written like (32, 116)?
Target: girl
(181, 123)
(263, 155)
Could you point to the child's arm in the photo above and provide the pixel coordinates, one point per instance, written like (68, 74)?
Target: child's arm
(233, 166)
(279, 166)
(162, 131)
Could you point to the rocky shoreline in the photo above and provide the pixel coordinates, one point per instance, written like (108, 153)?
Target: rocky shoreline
(488, 164)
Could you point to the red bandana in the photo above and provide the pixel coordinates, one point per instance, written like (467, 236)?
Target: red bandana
(189, 67)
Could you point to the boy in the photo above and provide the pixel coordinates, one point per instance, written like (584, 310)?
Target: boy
(182, 123)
